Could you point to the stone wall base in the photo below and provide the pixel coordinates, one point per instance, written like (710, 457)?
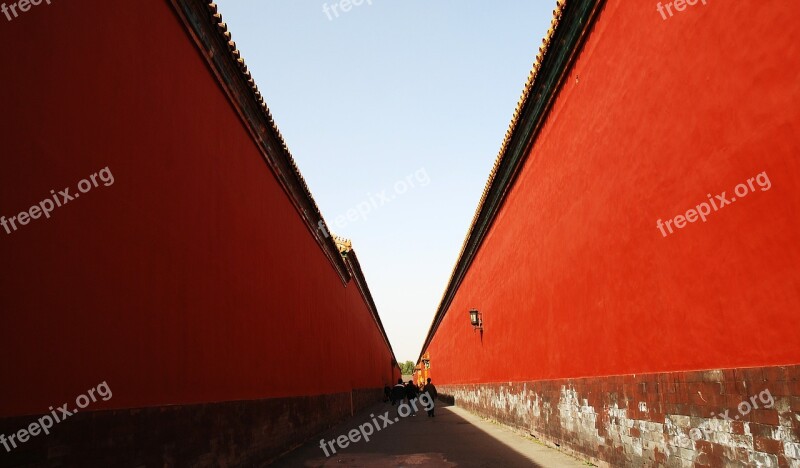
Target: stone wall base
(717, 418)
(234, 433)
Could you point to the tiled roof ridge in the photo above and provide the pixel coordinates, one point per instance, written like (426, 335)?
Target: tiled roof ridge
(222, 27)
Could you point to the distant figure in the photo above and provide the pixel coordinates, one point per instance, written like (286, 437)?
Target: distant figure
(398, 392)
(411, 392)
(430, 389)
(386, 392)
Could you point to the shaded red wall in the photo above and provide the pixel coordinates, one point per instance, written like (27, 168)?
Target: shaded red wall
(192, 278)
(574, 278)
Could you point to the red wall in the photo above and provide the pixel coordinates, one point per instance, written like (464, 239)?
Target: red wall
(192, 278)
(574, 279)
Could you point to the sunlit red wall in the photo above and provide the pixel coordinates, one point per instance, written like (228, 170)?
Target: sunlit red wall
(192, 278)
(575, 279)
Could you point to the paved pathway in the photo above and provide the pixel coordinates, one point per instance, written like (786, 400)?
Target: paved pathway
(453, 438)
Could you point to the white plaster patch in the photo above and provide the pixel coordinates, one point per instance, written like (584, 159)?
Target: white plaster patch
(761, 459)
(577, 416)
(791, 450)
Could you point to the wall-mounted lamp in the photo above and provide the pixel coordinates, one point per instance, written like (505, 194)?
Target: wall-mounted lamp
(475, 319)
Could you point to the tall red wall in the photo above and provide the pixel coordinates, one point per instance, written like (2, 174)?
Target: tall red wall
(192, 278)
(574, 278)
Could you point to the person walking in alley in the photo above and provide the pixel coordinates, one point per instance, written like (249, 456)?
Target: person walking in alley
(398, 392)
(430, 389)
(412, 392)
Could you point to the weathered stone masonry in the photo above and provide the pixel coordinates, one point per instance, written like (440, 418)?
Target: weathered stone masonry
(647, 419)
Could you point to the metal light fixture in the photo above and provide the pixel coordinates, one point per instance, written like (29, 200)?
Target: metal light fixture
(475, 319)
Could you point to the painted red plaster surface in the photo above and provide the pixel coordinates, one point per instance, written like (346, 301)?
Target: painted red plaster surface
(574, 278)
(192, 278)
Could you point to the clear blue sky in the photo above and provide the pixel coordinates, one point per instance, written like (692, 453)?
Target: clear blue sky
(384, 91)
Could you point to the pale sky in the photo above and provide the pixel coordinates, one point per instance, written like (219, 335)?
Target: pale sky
(396, 108)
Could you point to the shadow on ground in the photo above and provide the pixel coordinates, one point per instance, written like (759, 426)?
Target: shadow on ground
(446, 440)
